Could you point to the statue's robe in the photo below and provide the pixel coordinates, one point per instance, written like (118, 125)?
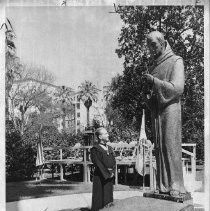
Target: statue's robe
(168, 72)
(105, 164)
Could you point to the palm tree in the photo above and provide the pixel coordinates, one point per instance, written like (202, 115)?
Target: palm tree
(64, 97)
(88, 94)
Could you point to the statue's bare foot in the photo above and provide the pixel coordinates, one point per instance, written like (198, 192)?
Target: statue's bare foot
(174, 193)
(157, 191)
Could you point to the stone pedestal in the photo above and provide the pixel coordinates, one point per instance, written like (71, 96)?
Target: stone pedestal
(149, 204)
(186, 198)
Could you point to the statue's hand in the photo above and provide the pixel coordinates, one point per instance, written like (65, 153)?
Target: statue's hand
(145, 88)
(147, 83)
(149, 78)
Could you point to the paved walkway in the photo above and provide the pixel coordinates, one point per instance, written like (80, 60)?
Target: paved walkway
(73, 201)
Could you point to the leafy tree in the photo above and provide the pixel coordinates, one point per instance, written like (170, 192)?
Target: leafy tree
(121, 130)
(27, 91)
(30, 92)
(119, 127)
(99, 117)
(63, 99)
(88, 94)
(12, 62)
(19, 157)
(96, 123)
(183, 28)
(51, 137)
(38, 119)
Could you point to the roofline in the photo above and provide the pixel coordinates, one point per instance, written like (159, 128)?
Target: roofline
(41, 82)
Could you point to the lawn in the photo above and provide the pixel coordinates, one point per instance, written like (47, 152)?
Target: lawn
(52, 187)
(16, 191)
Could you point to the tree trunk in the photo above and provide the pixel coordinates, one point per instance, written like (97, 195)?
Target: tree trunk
(64, 119)
(22, 123)
(160, 24)
(64, 123)
(88, 117)
(88, 104)
(7, 108)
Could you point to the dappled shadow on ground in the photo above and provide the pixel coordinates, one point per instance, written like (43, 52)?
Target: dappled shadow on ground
(73, 184)
(37, 189)
(77, 177)
(136, 180)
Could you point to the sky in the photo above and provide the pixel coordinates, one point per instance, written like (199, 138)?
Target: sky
(74, 43)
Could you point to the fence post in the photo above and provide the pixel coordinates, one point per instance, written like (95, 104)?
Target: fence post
(193, 162)
(116, 175)
(151, 169)
(61, 154)
(85, 165)
(61, 166)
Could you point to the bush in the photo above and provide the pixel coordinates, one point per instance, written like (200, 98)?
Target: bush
(20, 158)
(21, 150)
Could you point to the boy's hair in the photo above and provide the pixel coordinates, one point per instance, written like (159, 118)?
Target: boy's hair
(98, 131)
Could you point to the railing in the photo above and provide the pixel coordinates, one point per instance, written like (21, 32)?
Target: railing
(192, 155)
(85, 160)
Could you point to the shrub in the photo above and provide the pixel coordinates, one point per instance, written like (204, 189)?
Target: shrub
(20, 158)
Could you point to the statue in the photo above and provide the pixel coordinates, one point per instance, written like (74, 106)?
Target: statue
(166, 81)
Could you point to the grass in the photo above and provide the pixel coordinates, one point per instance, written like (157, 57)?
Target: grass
(16, 191)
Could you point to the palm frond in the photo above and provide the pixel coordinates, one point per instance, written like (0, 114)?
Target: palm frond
(6, 26)
(2, 25)
(87, 90)
(10, 25)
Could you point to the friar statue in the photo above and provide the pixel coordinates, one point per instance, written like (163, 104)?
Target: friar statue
(166, 81)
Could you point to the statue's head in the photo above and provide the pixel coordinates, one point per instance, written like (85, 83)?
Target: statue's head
(156, 43)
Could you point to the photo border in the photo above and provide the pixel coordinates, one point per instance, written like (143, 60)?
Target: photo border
(47, 3)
